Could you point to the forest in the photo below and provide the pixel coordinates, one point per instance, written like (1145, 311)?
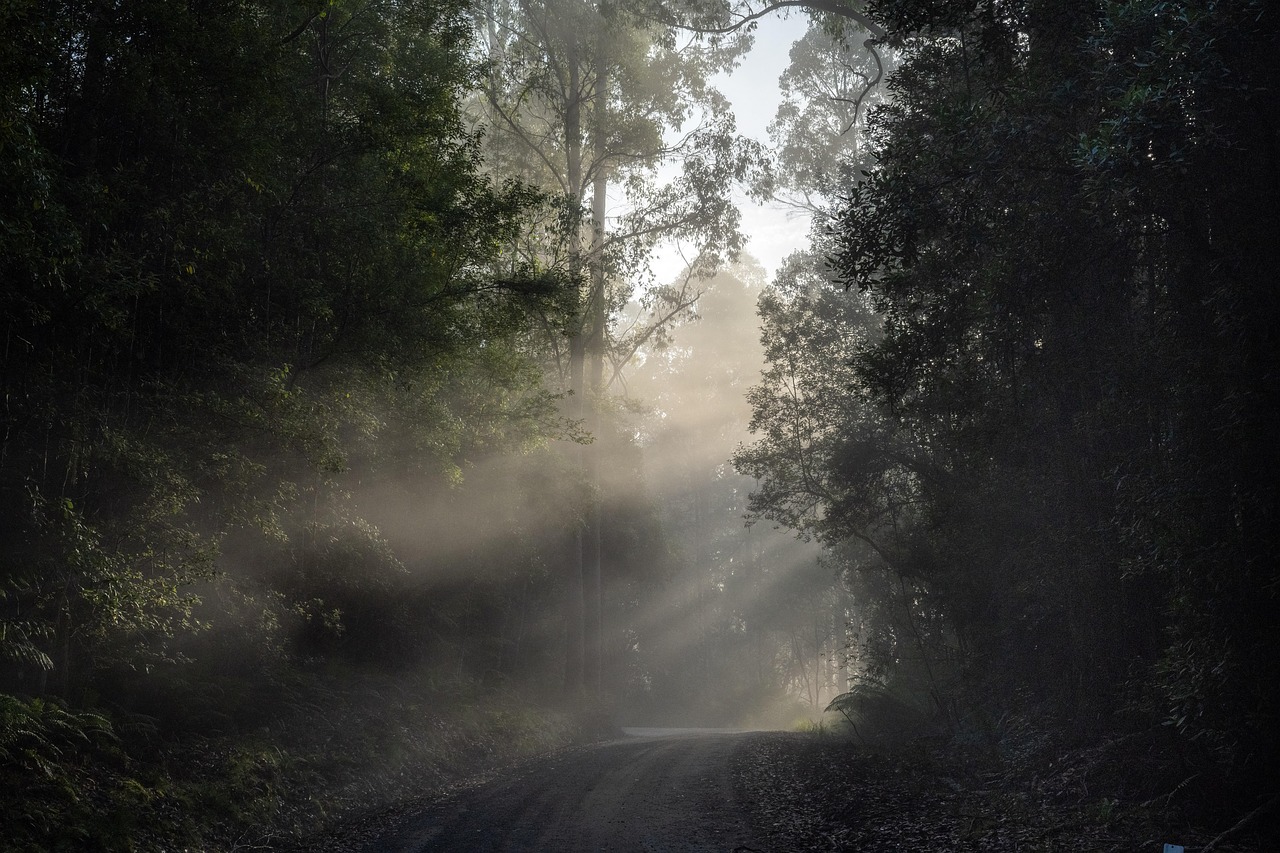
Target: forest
(387, 393)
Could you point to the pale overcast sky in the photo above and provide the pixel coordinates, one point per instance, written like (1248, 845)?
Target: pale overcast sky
(773, 231)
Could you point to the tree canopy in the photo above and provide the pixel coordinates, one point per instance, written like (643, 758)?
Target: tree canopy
(1056, 424)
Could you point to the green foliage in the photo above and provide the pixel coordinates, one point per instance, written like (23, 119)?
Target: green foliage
(806, 398)
(54, 778)
(19, 637)
(251, 267)
(879, 717)
(229, 273)
(339, 742)
(1060, 433)
(639, 81)
(828, 89)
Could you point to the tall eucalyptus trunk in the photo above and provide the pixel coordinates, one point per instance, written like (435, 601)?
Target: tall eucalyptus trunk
(595, 351)
(575, 604)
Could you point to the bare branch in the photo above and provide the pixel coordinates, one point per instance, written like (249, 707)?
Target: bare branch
(870, 45)
(831, 7)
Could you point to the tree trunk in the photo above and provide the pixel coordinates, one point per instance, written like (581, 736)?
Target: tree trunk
(575, 603)
(598, 319)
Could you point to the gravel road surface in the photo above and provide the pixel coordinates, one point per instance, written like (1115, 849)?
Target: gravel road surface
(652, 791)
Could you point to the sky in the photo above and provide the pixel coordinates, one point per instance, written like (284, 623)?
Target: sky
(773, 230)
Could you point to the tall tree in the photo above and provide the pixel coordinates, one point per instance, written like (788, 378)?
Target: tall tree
(218, 264)
(581, 99)
(1061, 235)
(828, 90)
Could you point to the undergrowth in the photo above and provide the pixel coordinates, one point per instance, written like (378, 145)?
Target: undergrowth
(343, 742)
(1017, 781)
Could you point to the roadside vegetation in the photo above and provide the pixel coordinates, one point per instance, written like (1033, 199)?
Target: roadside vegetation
(255, 300)
(303, 756)
(1028, 402)
(823, 792)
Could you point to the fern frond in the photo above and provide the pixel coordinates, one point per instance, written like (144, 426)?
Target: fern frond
(16, 645)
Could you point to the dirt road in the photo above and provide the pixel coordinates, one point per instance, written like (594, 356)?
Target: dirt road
(653, 791)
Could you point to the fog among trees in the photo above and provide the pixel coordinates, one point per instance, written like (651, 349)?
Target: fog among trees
(354, 435)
